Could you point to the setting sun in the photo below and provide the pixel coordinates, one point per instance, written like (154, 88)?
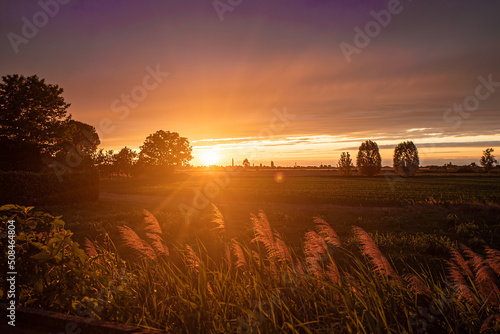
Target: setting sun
(209, 157)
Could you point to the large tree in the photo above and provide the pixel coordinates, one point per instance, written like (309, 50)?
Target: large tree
(405, 160)
(78, 146)
(368, 160)
(32, 121)
(488, 159)
(165, 149)
(345, 164)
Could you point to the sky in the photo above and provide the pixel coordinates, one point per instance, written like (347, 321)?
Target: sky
(296, 81)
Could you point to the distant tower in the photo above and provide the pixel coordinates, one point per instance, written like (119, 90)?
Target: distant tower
(232, 164)
(272, 164)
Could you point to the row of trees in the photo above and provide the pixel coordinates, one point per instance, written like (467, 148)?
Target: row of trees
(37, 133)
(161, 151)
(405, 159)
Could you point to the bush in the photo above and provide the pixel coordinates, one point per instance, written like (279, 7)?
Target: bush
(45, 188)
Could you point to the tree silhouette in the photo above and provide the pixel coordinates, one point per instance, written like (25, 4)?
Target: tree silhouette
(488, 159)
(345, 164)
(165, 149)
(368, 160)
(246, 163)
(105, 162)
(124, 160)
(405, 160)
(32, 121)
(80, 139)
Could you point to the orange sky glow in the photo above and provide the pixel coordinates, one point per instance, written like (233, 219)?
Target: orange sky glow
(270, 82)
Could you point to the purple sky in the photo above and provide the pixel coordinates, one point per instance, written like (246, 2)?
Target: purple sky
(228, 79)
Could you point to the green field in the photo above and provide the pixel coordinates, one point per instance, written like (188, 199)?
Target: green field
(413, 217)
(286, 271)
(320, 188)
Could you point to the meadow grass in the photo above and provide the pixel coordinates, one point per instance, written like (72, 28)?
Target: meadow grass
(264, 286)
(256, 283)
(419, 264)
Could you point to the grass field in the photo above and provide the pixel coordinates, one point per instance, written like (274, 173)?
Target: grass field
(414, 217)
(274, 267)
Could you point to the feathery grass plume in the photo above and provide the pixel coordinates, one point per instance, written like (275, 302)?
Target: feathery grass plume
(493, 259)
(492, 322)
(417, 285)
(459, 283)
(89, 248)
(370, 249)
(485, 279)
(193, 261)
(256, 256)
(151, 225)
(314, 247)
(461, 262)
(153, 234)
(262, 230)
(326, 231)
(241, 261)
(157, 243)
(140, 248)
(217, 218)
(475, 259)
(281, 250)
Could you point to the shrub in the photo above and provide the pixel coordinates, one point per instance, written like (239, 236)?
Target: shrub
(47, 260)
(45, 188)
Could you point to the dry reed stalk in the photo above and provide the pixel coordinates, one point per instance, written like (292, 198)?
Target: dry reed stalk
(314, 248)
(151, 225)
(493, 259)
(370, 249)
(192, 259)
(240, 255)
(485, 279)
(417, 285)
(140, 248)
(327, 232)
(263, 231)
(217, 218)
(281, 250)
(459, 283)
(461, 262)
(157, 244)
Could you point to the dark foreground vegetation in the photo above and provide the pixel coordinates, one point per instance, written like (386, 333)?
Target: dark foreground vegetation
(318, 262)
